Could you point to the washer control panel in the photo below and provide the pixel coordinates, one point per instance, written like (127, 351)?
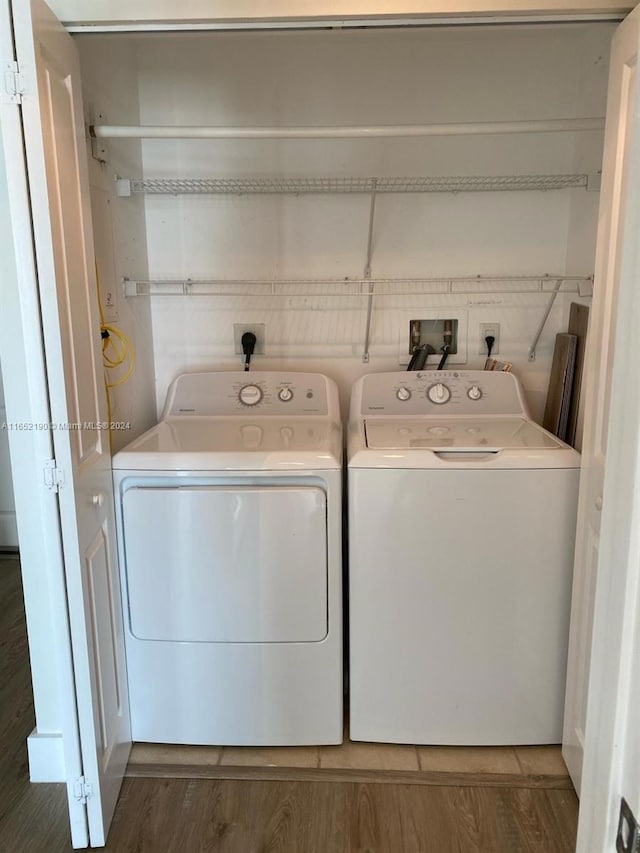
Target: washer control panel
(235, 393)
(441, 392)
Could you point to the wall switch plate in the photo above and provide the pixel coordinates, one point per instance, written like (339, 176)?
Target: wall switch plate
(628, 837)
(487, 329)
(110, 306)
(258, 330)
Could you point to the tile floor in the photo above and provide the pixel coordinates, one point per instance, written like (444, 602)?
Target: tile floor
(505, 760)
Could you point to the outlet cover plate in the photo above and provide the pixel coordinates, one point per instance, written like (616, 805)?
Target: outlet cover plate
(489, 329)
(110, 306)
(238, 331)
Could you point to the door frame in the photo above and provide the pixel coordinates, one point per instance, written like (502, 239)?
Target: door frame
(157, 15)
(39, 529)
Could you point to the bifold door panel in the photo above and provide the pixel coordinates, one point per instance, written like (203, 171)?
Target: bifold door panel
(221, 564)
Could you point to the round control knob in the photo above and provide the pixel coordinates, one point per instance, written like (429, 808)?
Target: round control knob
(285, 394)
(403, 394)
(250, 395)
(438, 394)
(474, 393)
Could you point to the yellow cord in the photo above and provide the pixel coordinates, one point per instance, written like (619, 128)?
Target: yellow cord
(123, 351)
(117, 350)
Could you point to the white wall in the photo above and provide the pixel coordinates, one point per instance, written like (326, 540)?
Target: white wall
(109, 87)
(347, 77)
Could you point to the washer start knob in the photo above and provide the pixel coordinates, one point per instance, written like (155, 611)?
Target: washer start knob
(474, 393)
(250, 395)
(403, 394)
(439, 393)
(285, 394)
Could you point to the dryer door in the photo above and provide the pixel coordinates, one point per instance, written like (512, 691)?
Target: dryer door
(226, 564)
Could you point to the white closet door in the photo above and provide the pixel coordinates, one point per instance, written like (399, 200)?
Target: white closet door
(611, 768)
(617, 207)
(59, 190)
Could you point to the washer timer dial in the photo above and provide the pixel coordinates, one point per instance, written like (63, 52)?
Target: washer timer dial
(250, 395)
(439, 393)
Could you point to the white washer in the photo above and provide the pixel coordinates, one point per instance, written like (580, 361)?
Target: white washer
(229, 523)
(461, 532)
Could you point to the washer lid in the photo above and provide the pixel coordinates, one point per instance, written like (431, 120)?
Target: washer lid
(208, 444)
(461, 435)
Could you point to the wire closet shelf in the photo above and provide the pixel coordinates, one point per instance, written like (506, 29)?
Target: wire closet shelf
(328, 185)
(370, 289)
(380, 287)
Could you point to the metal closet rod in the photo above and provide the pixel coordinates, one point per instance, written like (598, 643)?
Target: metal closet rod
(113, 131)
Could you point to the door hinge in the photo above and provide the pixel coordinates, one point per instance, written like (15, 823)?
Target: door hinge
(628, 837)
(82, 790)
(13, 83)
(53, 476)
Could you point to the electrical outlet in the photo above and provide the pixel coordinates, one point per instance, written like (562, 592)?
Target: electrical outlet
(487, 329)
(258, 330)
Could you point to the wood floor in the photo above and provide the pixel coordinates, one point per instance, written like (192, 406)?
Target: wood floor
(189, 815)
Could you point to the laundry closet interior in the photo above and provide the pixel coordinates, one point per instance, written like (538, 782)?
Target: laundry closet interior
(302, 239)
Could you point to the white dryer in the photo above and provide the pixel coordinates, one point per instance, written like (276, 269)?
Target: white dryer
(462, 519)
(229, 523)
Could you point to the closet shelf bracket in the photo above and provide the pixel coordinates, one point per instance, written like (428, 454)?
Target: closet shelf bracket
(367, 274)
(585, 288)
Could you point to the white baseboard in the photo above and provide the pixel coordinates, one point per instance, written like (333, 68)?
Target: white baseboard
(46, 757)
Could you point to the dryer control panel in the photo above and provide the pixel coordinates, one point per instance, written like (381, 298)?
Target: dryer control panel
(440, 392)
(240, 392)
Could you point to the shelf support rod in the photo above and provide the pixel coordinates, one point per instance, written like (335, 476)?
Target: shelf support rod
(367, 272)
(562, 125)
(545, 317)
(372, 216)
